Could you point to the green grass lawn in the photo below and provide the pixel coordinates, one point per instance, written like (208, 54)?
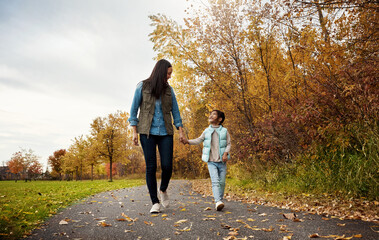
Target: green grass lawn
(25, 205)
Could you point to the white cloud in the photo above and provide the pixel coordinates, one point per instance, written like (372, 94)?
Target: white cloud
(64, 63)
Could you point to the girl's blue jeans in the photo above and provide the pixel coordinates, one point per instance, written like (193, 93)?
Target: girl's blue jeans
(165, 147)
(217, 171)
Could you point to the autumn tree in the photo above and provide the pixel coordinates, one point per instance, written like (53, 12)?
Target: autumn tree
(35, 169)
(25, 163)
(110, 138)
(237, 68)
(295, 79)
(76, 156)
(55, 161)
(16, 164)
(92, 157)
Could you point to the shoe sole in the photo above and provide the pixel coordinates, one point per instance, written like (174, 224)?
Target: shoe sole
(220, 207)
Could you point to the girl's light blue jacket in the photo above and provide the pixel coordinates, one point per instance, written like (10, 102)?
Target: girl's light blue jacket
(222, 134)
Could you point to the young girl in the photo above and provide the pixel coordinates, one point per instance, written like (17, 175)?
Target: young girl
(216, 149)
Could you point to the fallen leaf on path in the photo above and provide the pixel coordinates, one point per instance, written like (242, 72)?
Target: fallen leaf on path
(148, 223)
(314, 235)
(341, 224)
(290, 216)
(104, 224)
(129, 219)
(121, 219)
(229, 238)
(326, 219)
(250, 220)
(287, 237)
(113, 196)
(128, 231)
(186, 229)
(262, 214)
(233, 233)
(225, 226)
(209, 219)
(268, 229)
(181, 221)
(207, 209)
(63, 222)
(252, 228)
(283, 228)
(336, 237)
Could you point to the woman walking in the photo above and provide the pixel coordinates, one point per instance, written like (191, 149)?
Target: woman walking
(155, 99)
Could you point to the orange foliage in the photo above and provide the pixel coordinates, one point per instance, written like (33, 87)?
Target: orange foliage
(282, 72)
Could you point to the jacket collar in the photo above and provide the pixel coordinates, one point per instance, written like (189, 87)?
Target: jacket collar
(217, 129)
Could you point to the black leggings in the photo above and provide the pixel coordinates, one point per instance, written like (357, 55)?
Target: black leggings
(166, 147)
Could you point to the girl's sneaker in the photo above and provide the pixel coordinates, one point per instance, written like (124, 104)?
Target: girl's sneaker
(219, 206)
(156, 208)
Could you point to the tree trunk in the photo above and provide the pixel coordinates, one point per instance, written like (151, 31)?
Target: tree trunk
(91, 172)
(322, 22)
(76, 173)
(81, 172)
(110, 169)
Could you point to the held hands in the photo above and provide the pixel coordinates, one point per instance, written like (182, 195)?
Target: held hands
(225, 157)
(184, 141)
(182, 137)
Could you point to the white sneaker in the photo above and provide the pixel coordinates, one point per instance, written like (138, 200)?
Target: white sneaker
(164, 199)
(156, 208)
(219, 206)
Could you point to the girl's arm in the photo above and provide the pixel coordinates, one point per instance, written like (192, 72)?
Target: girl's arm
(227, 149)
(196, 141)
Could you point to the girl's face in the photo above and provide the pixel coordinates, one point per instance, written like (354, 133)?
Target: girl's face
(213, 118)
(169, 72)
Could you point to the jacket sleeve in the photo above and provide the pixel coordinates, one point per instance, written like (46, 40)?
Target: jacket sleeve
(137, 99)
(175, 111)
(198, 140)
(228, 142)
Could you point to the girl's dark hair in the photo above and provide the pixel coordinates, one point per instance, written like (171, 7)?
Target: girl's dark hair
(220, 115)
(158, 78)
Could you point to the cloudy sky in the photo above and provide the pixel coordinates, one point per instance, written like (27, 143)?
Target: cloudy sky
(64, 63)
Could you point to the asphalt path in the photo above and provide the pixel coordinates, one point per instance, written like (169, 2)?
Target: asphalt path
(124, 214)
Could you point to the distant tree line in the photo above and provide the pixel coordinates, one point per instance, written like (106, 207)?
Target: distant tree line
(107, 151)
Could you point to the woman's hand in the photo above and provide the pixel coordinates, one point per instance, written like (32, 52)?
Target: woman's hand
(135, 135)
(185, 141)
(182, 138)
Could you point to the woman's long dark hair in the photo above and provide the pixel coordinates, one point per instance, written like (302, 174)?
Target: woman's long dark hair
(158, 78)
